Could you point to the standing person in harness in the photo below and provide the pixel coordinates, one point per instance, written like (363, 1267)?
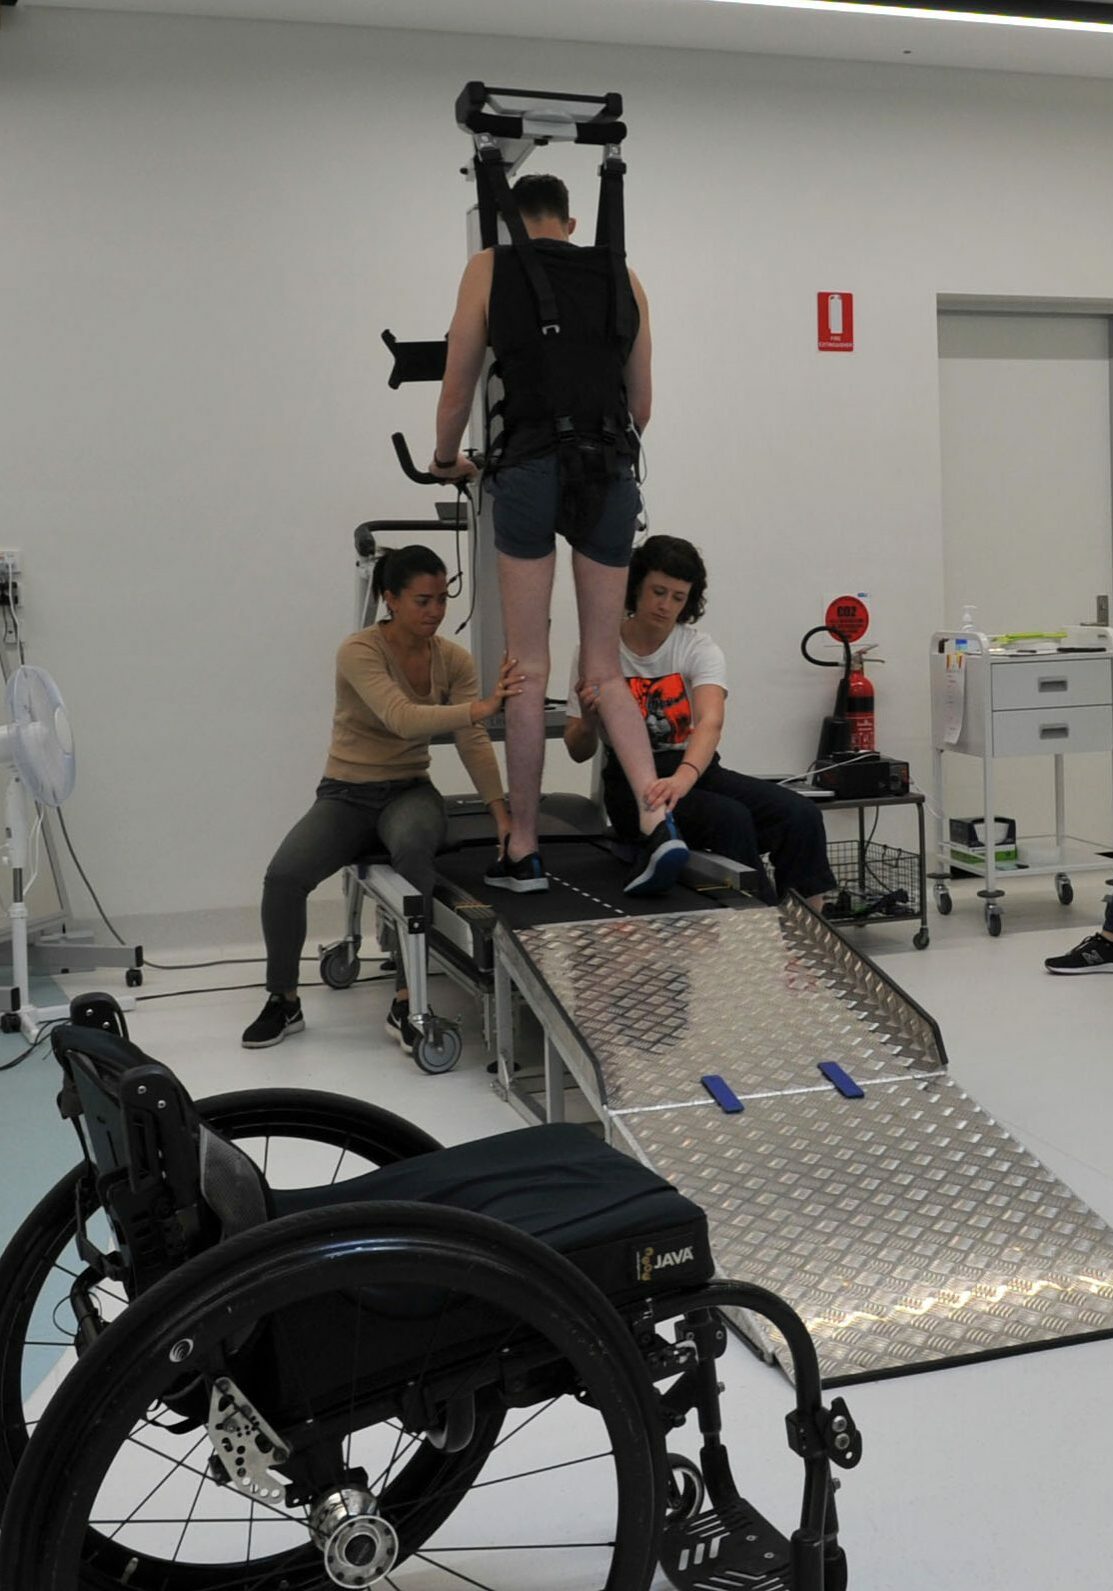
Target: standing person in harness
(569, 328)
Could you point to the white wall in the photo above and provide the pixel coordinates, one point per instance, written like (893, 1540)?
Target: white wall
(207, 224)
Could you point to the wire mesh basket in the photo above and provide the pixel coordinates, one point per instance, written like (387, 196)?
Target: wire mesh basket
(874, 881)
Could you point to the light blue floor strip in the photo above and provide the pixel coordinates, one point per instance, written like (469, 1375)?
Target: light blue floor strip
(36, 1146)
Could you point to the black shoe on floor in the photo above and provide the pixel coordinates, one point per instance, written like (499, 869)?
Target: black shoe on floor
(278, 1018)
(1092, 955)
(524, 878)
(399, 1026)
(662, 861)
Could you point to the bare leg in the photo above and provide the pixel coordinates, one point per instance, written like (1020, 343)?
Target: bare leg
(526, 588)
(600, 593)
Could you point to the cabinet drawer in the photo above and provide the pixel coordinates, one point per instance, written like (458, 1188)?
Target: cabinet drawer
(1050, 683)
(1048, 730)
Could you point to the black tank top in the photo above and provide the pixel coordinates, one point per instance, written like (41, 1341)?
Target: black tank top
(579, 373)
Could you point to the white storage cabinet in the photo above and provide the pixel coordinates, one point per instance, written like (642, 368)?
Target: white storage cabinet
(1021, 704)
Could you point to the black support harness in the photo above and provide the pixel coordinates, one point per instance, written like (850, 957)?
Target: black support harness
(595, 443)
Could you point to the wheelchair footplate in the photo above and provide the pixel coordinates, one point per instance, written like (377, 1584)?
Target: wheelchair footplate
(731, 1546)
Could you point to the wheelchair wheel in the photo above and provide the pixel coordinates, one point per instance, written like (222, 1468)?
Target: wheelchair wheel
(297, 1137)
(351, 1330)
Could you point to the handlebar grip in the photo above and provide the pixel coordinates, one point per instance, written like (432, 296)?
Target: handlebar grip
(405, 458)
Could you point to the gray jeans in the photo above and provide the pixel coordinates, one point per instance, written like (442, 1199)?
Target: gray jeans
(404, 817)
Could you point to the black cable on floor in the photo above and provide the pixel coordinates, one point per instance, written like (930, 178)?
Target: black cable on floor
(230, 988)
(160, 966)
(19, 1059)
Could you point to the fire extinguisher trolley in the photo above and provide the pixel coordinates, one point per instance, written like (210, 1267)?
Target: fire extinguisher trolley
(1018, 698)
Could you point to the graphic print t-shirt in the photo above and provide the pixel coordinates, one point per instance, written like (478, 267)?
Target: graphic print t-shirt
(663, 683)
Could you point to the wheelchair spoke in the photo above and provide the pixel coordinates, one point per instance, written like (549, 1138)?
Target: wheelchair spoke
(176, 1466)
(536, 1415)
(188, 1519)
(455, 1573)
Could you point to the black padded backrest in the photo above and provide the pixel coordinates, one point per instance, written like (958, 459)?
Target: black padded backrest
(170, 1185)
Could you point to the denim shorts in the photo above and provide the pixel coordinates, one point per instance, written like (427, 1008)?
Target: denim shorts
(526, 499)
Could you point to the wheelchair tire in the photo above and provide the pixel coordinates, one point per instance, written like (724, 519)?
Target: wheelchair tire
(367, 1256)
(32, 1267)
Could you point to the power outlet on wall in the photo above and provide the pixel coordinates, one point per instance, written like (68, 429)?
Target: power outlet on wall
(11, 559)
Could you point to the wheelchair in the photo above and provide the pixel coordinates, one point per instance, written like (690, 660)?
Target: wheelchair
(217, 1376)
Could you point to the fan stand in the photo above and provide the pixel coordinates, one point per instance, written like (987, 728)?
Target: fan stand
(22, 1017)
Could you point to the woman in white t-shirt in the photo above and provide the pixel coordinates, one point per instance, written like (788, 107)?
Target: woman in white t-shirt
(677, 675)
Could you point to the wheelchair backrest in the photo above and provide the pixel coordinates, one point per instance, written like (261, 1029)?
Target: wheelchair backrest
(170, 1185)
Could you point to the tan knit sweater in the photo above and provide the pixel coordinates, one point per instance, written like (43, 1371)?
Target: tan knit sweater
(381, 729)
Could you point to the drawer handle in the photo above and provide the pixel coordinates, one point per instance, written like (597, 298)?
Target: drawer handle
(1052, 683)
(1054, 731)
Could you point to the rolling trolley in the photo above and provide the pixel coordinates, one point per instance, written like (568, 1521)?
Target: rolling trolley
(992, 701)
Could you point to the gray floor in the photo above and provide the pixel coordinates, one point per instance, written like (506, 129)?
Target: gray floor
(988, 1476)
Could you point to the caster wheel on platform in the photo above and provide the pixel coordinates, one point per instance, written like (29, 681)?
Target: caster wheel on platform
(133, 977)
(993, 923)
(921, 939)
(339, 967)
(685, 1488)
(438, 1048)
(1064, 889)
(9, 1021)
(943, 902)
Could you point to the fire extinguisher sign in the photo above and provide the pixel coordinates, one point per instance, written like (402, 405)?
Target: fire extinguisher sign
(836, 323)
(850, 615)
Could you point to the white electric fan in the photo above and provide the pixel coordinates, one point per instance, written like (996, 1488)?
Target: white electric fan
(37, 744)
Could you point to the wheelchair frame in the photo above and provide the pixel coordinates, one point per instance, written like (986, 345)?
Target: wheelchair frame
(193, 1335)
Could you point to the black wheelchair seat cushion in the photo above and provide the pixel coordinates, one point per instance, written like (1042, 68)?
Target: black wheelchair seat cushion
(625, 1227)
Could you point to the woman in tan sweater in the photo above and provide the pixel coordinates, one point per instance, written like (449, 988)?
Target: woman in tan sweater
(397, 685)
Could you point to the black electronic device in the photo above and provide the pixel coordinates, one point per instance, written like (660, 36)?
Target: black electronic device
(858, 776)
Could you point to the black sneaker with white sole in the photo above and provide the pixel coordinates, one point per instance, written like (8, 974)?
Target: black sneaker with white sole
(1092, 955)
(399, 1026)
(277, 1020)
(524, 878)
(662, 861)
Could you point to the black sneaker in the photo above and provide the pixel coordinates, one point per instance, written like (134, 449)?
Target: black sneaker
(399, 1026)
(278, 1018)
(1092, 955)
(662, 861)
(524, 878)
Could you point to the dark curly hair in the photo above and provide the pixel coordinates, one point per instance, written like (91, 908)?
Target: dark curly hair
(397, 568)
(680, 561)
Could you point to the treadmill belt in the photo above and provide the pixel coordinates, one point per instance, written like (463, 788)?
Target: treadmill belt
(586, 885)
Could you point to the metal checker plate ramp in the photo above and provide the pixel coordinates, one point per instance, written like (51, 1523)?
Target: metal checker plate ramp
(758, 996)
(907, 1228)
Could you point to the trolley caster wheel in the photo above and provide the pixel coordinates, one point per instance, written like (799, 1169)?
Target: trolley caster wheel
(993, 922)
(339, 966)
(922, 939)
(133, 977)
(685, 1489)
(1064, 889)
(943, 902)
(438, 1048)
(9, 1021)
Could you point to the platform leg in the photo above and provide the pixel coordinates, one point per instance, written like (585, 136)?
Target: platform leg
(504, 1023)
(554, 1082)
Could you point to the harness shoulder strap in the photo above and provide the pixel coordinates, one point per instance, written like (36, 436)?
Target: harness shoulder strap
(490, 164)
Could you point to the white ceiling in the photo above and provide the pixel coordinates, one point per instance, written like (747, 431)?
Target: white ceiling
(689, 24)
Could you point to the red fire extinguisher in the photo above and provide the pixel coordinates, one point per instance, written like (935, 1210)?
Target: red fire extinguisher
(860, 705)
